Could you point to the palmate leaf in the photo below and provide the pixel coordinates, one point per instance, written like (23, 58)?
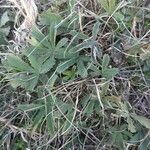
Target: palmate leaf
(55, 108)
(61, 108)
(65, 65)
(94, 70)
(47, 65)
(34, 62)
(62, 54)
(64, 112)
(47, 18)
(50, 122)
(86, 44)
(23, 75)
(41, 53)
(113, 99)
(118, 16)
(112, 5)
(41, 59)
(90, 105)
(41, 112)
(109, 73)
(40, 37)
(18, 64)
(62, 43)
(85, 100)
(78, 35)
(24, 80)
(104, 4)
(108, 5)
(119, 135)
(117, 138)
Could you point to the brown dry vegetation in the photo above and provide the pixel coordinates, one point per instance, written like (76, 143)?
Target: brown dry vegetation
(75, 74)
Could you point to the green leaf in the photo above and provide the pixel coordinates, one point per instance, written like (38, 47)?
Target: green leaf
(89, 108)
(63, 107)
(95, 29)
(3, 35)
(106, 60)
(131, 126)
(86, 44)
(52, 80)
(4, 19)
(40, 37)
(62, 43)
(49, 116)
(37, 118)
(112, 5)
(47, 65)
(34, 62)
(68, 122)
(109, 73)
(142, 120)
(24, 80)
(145, 55)
(33, 41)
(108, 5)
(94, 70)
(117, 139)
(18, 64)
(47, 18)
(30, 107)
(104, 4)
(62, 54)
(4, 31)
(52, 33)
(119, 16)
(64, 66)
(105, 88)
(78, 35)
(50, 126)
(69, 75)
(145, 145)
(41, 59)
(82, 70)
(85, 100)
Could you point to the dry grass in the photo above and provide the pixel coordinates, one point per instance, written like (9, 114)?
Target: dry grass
(101, 108)
(27, 10)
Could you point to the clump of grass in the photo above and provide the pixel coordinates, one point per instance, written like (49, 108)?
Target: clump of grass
(82, 79)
